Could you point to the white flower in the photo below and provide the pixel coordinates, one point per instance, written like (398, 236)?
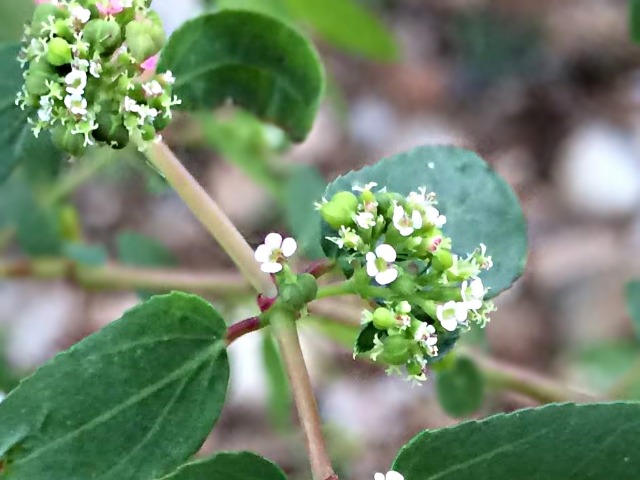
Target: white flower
(406, 224)
(152, 89)
(392, 475)
(81, 14)
(130, 105)
(95, 69)
(473, 293)
(76, 104)
(421, 198)
(380, 264)
(168, 77)
(433, 216)
(44, 114)
(402, 315)
(426, 334)
(365, 220)
(348, 238)
(76, 80)
(145, 111)
(451, 314)
(366, 188)
(487, 261)
(273, 251)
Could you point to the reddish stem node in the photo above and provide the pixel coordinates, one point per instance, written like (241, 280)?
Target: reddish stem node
(319, 268)
(241, 328)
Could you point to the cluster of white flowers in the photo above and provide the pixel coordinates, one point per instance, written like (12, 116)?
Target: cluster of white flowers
(430, 292)
(89, 70)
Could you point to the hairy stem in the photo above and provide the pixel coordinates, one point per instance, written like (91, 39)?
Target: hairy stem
(210, 215)
(284, 327)
(119, 277)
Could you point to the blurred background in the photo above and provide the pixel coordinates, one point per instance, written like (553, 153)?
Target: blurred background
(547, 91)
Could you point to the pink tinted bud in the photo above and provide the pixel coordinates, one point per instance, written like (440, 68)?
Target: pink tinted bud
(40, 2)
(150, 63)
(434, 243)
(110, 7)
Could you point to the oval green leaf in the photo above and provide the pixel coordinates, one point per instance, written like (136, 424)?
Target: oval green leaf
(16, 139)
(229, 466)
(460, 388)
(134, 400)
(555, 442)
(251, 59)
(479, 205)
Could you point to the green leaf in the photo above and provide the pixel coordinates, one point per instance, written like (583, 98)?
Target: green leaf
(634, 20)
(254, 60)
(279, 398)
(460, 388)
(134, 400)
(275, 8)
(479, 205)
(230, 466)
(632, 292)
(305, 187)
(365, 341)
(555, 442)
(13, 15)
(90, 255)
(36, 226)
(347, 25)
(141, 251)
(16, 139)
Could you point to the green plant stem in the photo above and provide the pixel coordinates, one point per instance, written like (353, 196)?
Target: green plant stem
(335, 289)
(76, 177)
(120, 277)
(284, 327)
(210, 215)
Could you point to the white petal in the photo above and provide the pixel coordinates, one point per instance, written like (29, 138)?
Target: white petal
(416, 219)
(372, 268)
(405, 231)
(371, 257)
(449, 324)
(461, 312)
(387, 277)
(263, 253)
(379, 476)
(273, 241)
(474, 304)
(431, 341)
(271, 267)
(398, 213)
(289, 247)
(394, 476)
(477, 289)
(386, 252)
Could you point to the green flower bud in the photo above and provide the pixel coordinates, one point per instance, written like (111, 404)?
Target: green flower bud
(368, 196)
(161, 122)
(340, 209)
(144, 39)
(383, 318)
(37, 76)
(308, 285)
(59, 52)
(103, 35)
(397, 350)
(67, 142)
(442, 260)
(63, 30)
(111, 130)
(148, 133)
(414, 368)
(41, 17)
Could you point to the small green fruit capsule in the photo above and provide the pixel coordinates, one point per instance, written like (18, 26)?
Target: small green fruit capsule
(67, 142)
(103, 35)
(368, 196)
(397, 350)
(414, 368)
(340, 209)
(148, 133)
(37, 76)
(442, 260)
(161, 122)
(111, 130)
(308, 286)
(63, 30)
(143, 39)
(383, 318)
(59, 52)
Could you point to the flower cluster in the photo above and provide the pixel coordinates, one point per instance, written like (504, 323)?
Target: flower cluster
(89, 73)
(424, 294)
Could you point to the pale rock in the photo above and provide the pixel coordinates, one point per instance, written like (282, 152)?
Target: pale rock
(599, 171)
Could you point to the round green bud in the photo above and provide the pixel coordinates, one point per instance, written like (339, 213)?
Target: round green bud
(397, 350)
(414, 368)
(67, 142)
(161, 122)
(41, 17)
(143, 39)
(340, 209)
(383, 318)
(37, 75)
(59, 52)
(308, 285)
(368, 196)
(111, 130)
(69, 223)
(103, 35)
(442, 260)
(148, 133)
